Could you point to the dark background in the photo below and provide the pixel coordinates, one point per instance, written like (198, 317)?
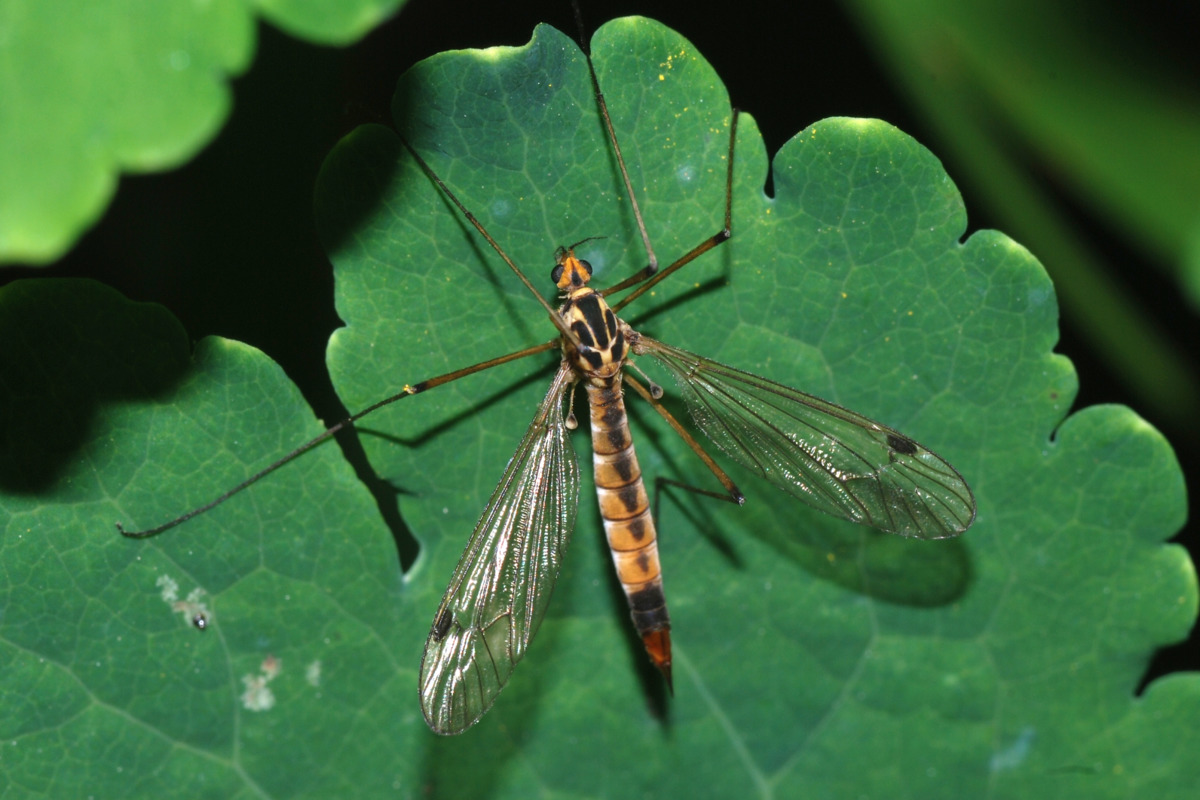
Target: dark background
(227, 242)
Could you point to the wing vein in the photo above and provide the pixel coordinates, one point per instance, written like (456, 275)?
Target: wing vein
(830, 457)
(501, 587)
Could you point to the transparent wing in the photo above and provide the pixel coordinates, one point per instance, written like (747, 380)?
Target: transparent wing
(500, 589)
(829, 457)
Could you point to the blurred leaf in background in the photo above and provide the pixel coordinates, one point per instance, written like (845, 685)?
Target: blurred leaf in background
(91, 90)
(1035, 99)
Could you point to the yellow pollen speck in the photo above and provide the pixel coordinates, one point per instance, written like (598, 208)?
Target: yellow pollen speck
(844, 295)
(661, 77)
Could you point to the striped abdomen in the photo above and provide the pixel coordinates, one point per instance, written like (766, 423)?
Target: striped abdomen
(627, 520)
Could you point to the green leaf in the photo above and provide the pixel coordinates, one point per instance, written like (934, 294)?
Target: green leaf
(95, 89)
(108, 688)
(813, 658)
(335, 22)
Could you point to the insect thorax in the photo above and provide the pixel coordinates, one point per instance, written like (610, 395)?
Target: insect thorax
(602, 348)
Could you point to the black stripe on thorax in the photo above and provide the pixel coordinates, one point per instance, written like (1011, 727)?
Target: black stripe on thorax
(603, 325)
(594, 324)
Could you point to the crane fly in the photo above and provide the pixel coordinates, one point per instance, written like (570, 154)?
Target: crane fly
(831, 458)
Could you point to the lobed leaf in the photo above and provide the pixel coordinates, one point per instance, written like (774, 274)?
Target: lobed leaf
(813, 657)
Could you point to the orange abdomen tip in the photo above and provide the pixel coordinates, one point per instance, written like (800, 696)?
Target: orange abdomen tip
(658, 645)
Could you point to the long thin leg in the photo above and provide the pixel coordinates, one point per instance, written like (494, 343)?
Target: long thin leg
(650, 277)
(471, 218)
(407, 391)
(652, 266)
(732, 493)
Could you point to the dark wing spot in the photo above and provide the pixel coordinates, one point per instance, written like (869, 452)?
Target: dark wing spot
(901, 444)
(441, 625)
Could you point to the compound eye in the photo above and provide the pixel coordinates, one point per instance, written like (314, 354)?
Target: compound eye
(587, 266)
(556, 273)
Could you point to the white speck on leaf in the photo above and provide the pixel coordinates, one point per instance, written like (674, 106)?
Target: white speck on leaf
(258, 696)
